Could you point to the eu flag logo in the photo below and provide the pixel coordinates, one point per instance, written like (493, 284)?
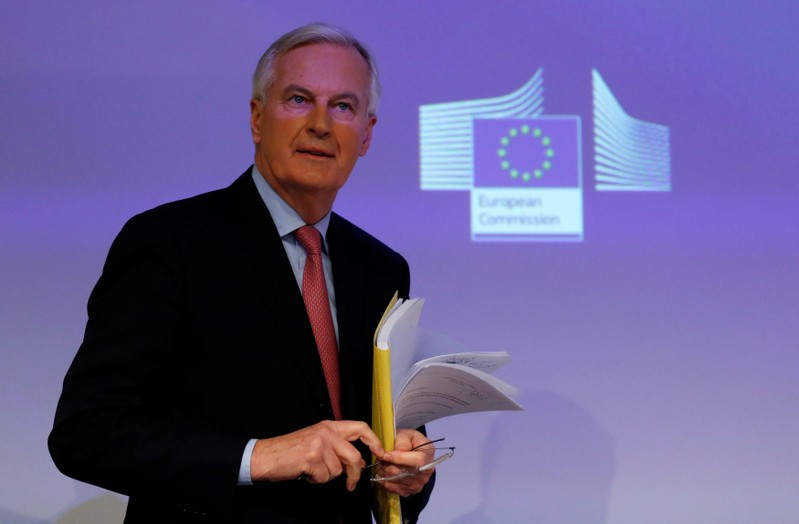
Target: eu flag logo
(526, 152)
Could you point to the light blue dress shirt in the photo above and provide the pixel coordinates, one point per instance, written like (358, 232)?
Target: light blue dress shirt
(287, 221)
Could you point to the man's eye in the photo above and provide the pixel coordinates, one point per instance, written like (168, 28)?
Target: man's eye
(344, 106)
(298, 99)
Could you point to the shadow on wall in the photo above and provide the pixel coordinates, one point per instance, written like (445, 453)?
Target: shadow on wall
(108, 509)
(552, 463)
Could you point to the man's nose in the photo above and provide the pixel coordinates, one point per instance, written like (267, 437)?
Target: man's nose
(319, 121)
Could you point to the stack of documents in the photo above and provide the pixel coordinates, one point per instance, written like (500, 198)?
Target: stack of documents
(408, 395)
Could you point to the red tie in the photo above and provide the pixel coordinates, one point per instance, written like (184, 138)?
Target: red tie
(314, 293)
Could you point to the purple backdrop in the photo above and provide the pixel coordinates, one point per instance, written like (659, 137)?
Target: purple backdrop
(658, 358)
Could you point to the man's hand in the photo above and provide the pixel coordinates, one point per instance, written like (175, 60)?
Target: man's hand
(319, 453)
(394, 462)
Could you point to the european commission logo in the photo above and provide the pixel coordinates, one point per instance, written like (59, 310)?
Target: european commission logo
(525, 152)
(524, 169)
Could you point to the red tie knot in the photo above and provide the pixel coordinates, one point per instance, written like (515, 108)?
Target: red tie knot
(310, 239)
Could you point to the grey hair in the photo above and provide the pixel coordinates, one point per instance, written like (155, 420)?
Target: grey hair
(318, 33)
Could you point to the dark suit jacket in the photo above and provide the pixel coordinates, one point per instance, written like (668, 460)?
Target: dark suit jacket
(197, 341)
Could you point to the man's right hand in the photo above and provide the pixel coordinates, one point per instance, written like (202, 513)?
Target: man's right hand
(319, 453)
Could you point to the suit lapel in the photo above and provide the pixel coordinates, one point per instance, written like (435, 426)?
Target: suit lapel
(264, 256)
(354, 332)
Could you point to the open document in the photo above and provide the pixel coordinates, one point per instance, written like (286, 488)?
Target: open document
(449, 385)
(408, 395)
(444, 385)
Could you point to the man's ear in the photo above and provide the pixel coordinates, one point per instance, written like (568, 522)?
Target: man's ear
(256, 110)
(367, 140)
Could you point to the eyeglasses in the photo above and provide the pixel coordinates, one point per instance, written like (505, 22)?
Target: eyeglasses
(443, 454)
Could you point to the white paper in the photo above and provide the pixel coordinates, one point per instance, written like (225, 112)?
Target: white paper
(439, 390)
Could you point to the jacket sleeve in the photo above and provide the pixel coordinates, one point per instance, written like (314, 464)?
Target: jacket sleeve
(122, 421)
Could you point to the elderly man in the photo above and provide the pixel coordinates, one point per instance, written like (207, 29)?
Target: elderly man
(225, 373)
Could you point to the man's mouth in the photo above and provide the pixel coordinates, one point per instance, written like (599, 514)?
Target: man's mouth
(315, 152)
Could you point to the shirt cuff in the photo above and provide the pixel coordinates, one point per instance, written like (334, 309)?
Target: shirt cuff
(245, 478)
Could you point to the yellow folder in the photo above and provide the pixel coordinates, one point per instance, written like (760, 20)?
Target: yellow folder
(388, 504)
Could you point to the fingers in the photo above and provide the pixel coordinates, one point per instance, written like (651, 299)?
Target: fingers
(352, 430)
(354, 474)
(408, 439)
(403, 460)
(319, 453)
(348, 458)
(405, 439)
(407, 486)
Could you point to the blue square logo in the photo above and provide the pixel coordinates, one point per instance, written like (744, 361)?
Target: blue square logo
(527, 152)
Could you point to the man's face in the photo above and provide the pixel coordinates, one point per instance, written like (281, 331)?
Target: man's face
(313, 124)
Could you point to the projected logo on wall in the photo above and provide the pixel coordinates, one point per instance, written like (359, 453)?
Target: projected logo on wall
(524, 169)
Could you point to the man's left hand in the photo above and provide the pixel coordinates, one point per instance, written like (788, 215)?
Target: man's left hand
(401, 458)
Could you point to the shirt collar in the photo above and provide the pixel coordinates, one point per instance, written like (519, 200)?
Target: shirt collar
(286, 219)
